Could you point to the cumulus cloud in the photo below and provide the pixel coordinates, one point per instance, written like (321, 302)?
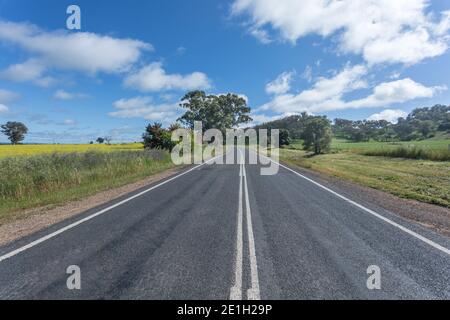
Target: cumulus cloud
(154, 78)
(144, 108)
(64, 95)
(389, 115)
(399, 91)
(281, 84)
(328, 93)
(76, 51)
(31, 70)
(383, 31)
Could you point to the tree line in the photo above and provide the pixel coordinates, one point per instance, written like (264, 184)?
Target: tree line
(420, 124)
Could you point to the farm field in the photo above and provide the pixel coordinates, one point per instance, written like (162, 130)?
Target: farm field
(36, 149)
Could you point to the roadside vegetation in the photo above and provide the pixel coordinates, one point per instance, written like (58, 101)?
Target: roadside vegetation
(422, 180)
(46, 175)
(381, 166)
(50, 179)
(410, 159)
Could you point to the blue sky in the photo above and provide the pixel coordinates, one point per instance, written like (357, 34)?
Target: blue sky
(133, 60)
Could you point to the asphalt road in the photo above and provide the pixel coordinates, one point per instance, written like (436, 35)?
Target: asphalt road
(226, 232)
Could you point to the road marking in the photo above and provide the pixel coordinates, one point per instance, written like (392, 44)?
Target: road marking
(252, 293)
(73, 225)
(379, 216)
(236, 290)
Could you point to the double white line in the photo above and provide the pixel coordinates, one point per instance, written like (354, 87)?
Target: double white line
(236, 291)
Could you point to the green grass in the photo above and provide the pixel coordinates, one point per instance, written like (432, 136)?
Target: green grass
(28, 149)
(422, 180)
(50, 179)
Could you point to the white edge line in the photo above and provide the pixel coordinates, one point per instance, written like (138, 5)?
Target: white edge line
(73, 225)
(379, 216)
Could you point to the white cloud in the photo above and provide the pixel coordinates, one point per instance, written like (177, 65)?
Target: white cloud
(399, 91)
(77, 51)
(3, 108)
(307, 74)
(281, 84)
(67, 122)
(154, 78)
(7, 96)
(261, 34)
(389, 115)
(383, 31)
(328, 93)
(262, 118)
(323, 91)
(142, 107)
(64, 95)
(30, 70)
(181, 50)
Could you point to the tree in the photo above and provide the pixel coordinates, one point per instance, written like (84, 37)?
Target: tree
(215, 112)
(15, 131)
(174, 126)
(100, 140)
(285, 140)
(425, 127)
(317, 135)
(404, 129)
(156, 137)
(108, 140)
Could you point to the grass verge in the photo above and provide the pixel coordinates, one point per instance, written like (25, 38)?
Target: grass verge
(422, 180)
(51, 179)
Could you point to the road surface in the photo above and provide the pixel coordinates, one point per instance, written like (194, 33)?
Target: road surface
(226, 232)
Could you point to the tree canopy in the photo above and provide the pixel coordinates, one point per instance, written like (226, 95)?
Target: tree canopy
(214, 111)
(15, 131)
(317, 135)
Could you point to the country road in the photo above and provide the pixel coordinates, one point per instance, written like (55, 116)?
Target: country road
(227, 232)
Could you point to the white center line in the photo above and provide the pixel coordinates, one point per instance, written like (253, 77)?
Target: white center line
(252, 293)
(236, 290)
